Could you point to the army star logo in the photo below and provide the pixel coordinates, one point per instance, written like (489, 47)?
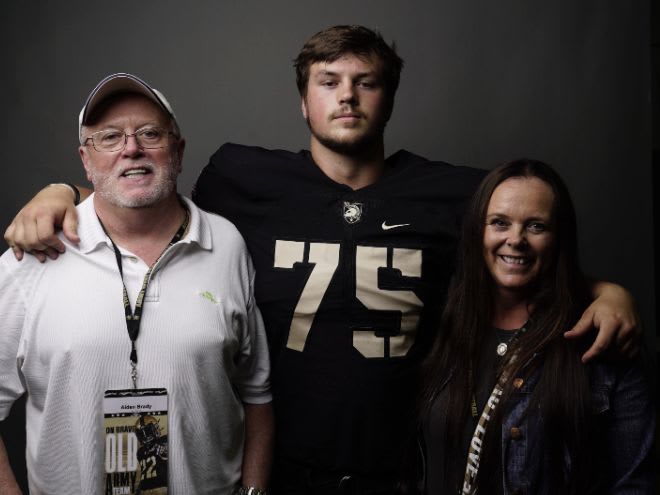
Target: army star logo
(352, 212)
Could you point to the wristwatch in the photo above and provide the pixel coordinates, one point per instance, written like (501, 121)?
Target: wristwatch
(249, 490)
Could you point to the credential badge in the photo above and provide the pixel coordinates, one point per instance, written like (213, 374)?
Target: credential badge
(352, 212)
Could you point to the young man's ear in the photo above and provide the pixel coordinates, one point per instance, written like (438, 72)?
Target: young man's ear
(303, 107)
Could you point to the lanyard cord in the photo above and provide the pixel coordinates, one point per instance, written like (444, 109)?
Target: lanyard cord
(474, 453)
(133, 318)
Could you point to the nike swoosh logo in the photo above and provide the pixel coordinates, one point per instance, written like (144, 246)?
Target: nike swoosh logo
(388, 227)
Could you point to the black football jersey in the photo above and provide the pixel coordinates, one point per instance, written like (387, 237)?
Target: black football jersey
(350, 285)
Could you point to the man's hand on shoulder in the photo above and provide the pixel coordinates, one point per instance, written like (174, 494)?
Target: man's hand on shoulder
(34, 229)
(614, 315)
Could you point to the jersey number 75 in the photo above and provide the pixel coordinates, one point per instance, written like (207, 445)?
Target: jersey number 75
(368, 259)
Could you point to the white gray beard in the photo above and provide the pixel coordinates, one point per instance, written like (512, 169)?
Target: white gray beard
(161, 190)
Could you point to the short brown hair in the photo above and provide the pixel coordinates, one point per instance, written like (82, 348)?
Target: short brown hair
(336, 41)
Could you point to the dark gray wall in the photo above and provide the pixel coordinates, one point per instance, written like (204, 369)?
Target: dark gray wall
(566, 82)
(563, 81)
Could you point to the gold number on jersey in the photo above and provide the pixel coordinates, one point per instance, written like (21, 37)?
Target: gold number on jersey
(325, 258)
(409, 263)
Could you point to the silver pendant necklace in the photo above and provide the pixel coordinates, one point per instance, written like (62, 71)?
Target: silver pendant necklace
(503, 347)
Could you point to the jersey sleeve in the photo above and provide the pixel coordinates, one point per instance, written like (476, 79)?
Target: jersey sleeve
(212, 191)
(237, 182)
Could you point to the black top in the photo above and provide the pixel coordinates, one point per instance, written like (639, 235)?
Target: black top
(349, 284)
(445, 470)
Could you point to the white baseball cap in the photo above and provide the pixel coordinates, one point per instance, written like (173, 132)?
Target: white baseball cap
(121, 83)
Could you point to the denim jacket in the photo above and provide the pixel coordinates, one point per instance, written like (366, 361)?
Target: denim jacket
(621, 403)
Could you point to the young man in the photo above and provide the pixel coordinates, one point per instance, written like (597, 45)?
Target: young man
(142, 352)
(353, 254)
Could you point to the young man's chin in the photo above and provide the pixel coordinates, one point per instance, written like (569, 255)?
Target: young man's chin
(353, 145)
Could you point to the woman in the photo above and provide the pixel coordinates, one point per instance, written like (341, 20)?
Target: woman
(507, 405)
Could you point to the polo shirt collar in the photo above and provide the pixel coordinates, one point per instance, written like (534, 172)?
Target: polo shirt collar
(92, 234)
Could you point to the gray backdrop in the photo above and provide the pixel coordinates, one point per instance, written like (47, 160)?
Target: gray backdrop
(565, 81)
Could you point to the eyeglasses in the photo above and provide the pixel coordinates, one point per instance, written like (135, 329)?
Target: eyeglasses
(148, 138)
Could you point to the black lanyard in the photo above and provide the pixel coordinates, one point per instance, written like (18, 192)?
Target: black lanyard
(133, 318)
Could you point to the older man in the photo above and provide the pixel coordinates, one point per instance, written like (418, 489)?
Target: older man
(142, 353)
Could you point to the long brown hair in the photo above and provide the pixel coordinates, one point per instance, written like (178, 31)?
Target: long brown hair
(559, 298)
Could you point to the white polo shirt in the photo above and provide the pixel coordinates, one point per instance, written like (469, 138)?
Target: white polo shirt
(63, 340)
